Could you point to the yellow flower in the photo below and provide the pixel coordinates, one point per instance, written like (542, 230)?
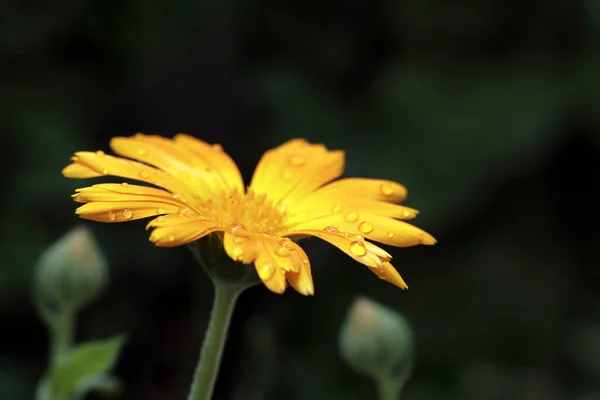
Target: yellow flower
(199, 190)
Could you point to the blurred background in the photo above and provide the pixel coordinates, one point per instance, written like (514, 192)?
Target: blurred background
(487, 110)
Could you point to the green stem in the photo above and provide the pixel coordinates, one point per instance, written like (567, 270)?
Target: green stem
(214, 341)
(62, 330)
(388, 389)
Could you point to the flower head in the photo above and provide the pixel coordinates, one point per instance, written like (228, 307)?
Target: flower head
(197, 190)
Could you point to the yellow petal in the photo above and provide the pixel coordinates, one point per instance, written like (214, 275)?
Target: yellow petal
(302, 280)
(102, 164)
(352, 244)
(241, 248)
(291, 171)
(174, 158)
(123, 211)
(374, 227)
(268, 269)
(317, 207)
(375, 189)
(217, 160)
(388, 273)
(175, 230)
(126, 192)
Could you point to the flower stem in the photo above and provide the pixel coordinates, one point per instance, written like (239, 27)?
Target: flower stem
(62, 330)
(214, 341)
(388, 389)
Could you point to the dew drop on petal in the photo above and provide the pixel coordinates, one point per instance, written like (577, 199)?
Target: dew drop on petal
(105, 171)
(297, 160)
(353, 236)
(142, 152)
(351, 216)
(391, 235)
(358, 248)
(161, 218)
(127, 213)
(160, 210)
(331, 229)
(386, 189)
(171, 238)
(182, 211)
(407, 214)
(217, 147)
(144, 175)
(100, 154)
(282, 251)
(266, 272)
(124, 184)
(336, 208)
(112, 216)
(365, 227)
(237, 229)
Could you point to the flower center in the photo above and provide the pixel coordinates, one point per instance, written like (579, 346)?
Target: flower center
(255, 212)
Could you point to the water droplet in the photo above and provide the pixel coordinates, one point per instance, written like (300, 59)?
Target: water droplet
(142, 152)
(160, 210)
(351, 216)
(331, 229)
(171, 238)
(336, 208)
(304, 260)
(391, 235)
(178, 196)
(266, 272)
(353, 236)
(100, 154)
(365, 227)
(105, 171)
(161, 218)
(287, 175)
(182, 211)
(358, 248)
(407, 214)
(144, 174)
(217, 147)
(238, 229)
(297, 160)
(238, 252)
(282, 251)
(386, 189)
(112, 216)
(127, 213)
(124, 184)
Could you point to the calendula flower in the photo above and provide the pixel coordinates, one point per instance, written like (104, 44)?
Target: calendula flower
(198, 190)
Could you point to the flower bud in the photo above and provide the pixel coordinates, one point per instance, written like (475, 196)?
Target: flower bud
(377, 341)
(70, 273)
(209, 253)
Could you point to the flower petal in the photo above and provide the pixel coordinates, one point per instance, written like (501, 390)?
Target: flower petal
(362, 251)
(175, 230)
(125, 192)
(302, 281)
(240, 248)
(100, 164)
(216, 158)
(374, 227)
(123, 211)
(291, 171)
(375, 189)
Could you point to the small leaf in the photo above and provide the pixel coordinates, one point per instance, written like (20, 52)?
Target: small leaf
(84, 362)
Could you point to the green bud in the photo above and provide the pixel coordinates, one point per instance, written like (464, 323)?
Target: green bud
(70, 273)
(209, 252)
(377, 341)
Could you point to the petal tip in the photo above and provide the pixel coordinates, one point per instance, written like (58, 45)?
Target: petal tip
(428, 239)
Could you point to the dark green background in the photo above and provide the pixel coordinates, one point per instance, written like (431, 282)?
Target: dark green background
(487, 110)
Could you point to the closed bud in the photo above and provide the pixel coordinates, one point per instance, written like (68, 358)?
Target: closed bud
(377, 341)
(70, 273)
